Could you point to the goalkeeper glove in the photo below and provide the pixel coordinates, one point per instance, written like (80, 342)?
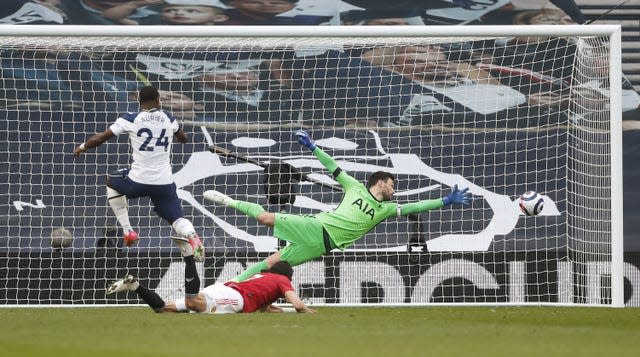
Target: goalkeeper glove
(304, 139)
(458, 196)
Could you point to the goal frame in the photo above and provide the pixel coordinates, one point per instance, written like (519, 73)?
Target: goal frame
(613, 32)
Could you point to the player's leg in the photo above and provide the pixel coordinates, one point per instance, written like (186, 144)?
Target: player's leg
(191, 278)
(305, 235)
(131, 283)
(167, 205)
(253, 210)
(186, 232)
(192, 300)
(196, 303)
(259, 267)
(117, 186)
(216, 298)
(221, 299)
(118, 204)
(294, 254)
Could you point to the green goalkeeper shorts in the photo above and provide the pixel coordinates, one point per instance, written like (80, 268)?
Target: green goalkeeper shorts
(304, 233)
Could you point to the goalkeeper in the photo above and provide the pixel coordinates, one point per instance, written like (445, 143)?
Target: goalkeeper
(360, 210)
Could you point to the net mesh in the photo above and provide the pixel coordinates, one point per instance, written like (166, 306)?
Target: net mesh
(499, 115)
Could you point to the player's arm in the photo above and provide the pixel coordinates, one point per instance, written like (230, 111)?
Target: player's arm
(181, 136)
(456, 196)
(93, 141)
(271, 308)
(178, 133)
(326, 160)
(297, 303)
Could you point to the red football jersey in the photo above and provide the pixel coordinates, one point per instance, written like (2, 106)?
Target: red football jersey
(261, 290)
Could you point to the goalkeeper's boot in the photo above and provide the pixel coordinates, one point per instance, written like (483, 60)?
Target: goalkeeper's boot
(131, 238)
(190, 246)
(128, 283)
(217, 197)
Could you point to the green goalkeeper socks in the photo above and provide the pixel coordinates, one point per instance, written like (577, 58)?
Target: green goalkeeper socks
(251, 210)
(248, 208)
(251, 271)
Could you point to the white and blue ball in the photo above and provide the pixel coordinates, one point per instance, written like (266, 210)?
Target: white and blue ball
(531, 203)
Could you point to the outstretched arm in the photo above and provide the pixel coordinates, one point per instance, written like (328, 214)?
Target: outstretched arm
(300, 306)
(93, 141)
(327, 161)
(456, 196)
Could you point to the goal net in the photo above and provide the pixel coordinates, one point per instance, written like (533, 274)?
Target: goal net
(500, 110)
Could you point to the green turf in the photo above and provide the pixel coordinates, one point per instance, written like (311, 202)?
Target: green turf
(433, 331)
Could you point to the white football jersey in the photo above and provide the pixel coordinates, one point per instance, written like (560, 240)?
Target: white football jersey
(150, 135)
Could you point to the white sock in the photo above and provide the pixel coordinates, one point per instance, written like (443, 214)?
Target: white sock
(118, 203)
(184, 227)
(181, 306)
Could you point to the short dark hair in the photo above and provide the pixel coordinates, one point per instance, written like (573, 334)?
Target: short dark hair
(379, 176)
(148, 93)
(283, 268)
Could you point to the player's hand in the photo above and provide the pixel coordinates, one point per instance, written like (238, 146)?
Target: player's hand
(458, 196)
(79, 150)
(305, 139)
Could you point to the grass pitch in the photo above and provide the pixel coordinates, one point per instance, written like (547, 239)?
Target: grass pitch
(433, 331)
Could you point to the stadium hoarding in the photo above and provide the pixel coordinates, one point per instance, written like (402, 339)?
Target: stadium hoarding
(353, 278)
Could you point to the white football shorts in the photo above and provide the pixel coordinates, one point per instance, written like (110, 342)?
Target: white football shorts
(222, 299)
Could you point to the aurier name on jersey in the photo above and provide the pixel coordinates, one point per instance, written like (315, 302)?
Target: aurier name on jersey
(151, 136)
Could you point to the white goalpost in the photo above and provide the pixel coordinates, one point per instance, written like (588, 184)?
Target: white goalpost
(499, 109)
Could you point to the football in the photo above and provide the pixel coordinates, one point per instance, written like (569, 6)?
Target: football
(531, 203)
(60, 238)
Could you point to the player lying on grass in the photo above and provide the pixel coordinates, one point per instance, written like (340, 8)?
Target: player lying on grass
(360, 210)
(151, 133)
(257, 293)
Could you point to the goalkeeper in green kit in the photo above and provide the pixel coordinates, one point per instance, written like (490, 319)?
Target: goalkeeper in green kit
(360, 210)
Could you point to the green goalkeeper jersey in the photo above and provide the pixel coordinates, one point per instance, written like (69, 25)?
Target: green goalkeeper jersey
(359, 211)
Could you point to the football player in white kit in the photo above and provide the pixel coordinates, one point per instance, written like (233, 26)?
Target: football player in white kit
(151, 132)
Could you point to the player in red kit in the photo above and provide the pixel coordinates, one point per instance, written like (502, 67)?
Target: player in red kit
(256, 293)
(262, 289)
